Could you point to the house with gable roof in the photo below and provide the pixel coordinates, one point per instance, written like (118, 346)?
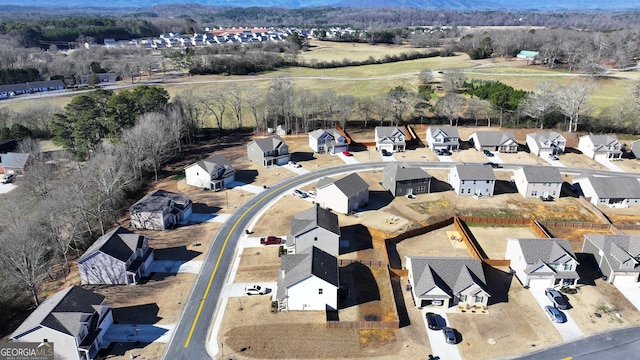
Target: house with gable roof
(159, 210)
(500, 141)
(543, 262)
(401, 179)
(443, 137)
(330, 141)
(472, 179)
(447, 281)
(308, 281)
(600, 146)
(74, 320)
(314, 227)
(390, 138)
(546, 143)
(343, 195)
(213, 173)
(118, 257)
(268, 151)
(13, 163)
(535, 181)
(617, 256)
(619, 191)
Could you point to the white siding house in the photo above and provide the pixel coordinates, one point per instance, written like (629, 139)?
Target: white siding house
(390, 138)
(443, 137)
(330, 141)
(623, 191)
(543, 262)
(213, 173)
(472, 179)
(344, 195)
(160, 210)
(546, 143)
(534, 181)
(617, 256)
(600, 146)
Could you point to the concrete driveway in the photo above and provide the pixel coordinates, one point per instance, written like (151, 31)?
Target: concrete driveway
(255, 241)
(555, 163)
(174, 267)
(5, 188)
(608, 164)
(347, 159)
(144, 333)
(568, 330)
(436, 338)
(237, 289)
(298, 170)
(495, 158)
(444, 158)
(247, 187)
(631, 291)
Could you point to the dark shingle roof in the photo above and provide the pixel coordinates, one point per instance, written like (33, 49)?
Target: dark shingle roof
(475, 172)
(315, 216)
(119, 243)
(349, 185)
(402, 171)
(542, 174)
(158, 200)
(318, 263)
(451, 274)
(14, 160)
(617, 249)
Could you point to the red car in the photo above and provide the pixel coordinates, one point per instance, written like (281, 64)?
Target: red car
(346, 153)
(271, 240)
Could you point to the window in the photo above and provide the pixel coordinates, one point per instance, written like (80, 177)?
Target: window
(463, 298)
(45, 340)
(534, 193)
(468, 191)
(315, 238)
(319, 291)
(421, 189)
(479, 299)
(488, 181)
(474, 182)
(567, 266)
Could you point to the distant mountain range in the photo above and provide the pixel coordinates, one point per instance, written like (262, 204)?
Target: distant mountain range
(464, 5)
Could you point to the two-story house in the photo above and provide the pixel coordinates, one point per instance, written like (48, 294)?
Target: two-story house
(314, 227)
(472, 179)
(546, 143)
(401, 179)
(330, 141)
(268, 151)
(443, 137)
(117, 257)
(600, 146)
(159, 210)
(534, 181)
(390, 138)
(213, 173)
(74, 320)
(343, 195)
(543, 262)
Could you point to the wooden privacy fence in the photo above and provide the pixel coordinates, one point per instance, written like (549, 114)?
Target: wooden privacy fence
(421, 230)
(344, 133)
(576, 225)
(369, 263)
(363, 324)
(474, 247)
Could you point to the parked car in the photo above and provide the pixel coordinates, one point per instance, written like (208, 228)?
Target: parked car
(346, 153)
(556, 298)
(384, 152)
(438, 151)
(449, 335)
(294, 164)
(493, 165)
(553, 157)
(300, 193)
(255, 290)
(270, 240)
(445, 152)
(311, 194)
(555, 315)
(487, 153)
(8, 178)
(432, 321)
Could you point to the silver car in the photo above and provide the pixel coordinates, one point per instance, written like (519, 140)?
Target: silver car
(555, 315)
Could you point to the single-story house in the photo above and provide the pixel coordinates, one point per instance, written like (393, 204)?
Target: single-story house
(13, 163)
(268, 151)
(390, 138)
(472, 179)
(344, 195)
(543, 262)
(314, 227)
(74, 320)
(546, 143)
(7, 91)
(213, 173)
(116, 258)
(160, 209)
(447, 281)
(401, 179)
(330, 141)
(501, 141)
(527, 55)
(308, 281)
(619, 191)
(104, 78)
(617, 256)
(443, 137)
(534, 181)
(49, 85)
(600, 146)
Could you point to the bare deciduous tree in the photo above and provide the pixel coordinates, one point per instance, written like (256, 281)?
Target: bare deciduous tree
(425, 76)
(540, 102)
(453, 80)
(477, 108)
(449, 106)
(235, 97)
(572, 101)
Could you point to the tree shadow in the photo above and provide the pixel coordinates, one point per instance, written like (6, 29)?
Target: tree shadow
(498, 284)
(137, 314)
(360, 285)
(357, 237)
(246, 176)
(588, 269)
(379, 199)
(504, 187)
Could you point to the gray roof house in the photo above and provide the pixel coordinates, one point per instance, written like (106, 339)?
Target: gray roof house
(48, 85)
(447, 281)
(443, 137)
(343, 195)
(116, 258)
(619, 191)
(213, 173)
(268, 151)
(472, 179)
(308, 281)
(600, 146)
(314, 227)
(74, 320)
(160, 209)
(390, 138)
(546, 143)
(501, 141)
(401, 179)
(543, 262)
(534, 181)
(617, 256)
(13, 162)
(330, 141)
(635, 149)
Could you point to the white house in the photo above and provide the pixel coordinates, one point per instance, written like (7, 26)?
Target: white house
(330, 141)
(617, 256)
(635, 149)
(443, 137)
(619, 191)
(501, 141)
(600, 146)
(546, 143)
(308, 281)
(390, 138)
(343, 195)
(314, 227)
(74, 320)
(472, 179)
(543, 262)
(447, 281)
(534, 181)
(212, 173)
(160, 209)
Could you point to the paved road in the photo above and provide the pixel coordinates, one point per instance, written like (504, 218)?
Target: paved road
(191, 333)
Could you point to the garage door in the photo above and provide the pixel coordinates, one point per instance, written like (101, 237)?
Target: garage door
(625, 279)
(544, 282)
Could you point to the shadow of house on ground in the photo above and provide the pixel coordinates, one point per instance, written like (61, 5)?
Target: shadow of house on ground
(301, 156)
(568, 190)
(504, 187)
(379, 199)
(360, 285)
(137, 314)
(177, 253)
(201, 208)
(439, 185)
(358, 237)
(246, 176)
(398, 297)
(588, 269)
(395, 262)
(498, 284)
